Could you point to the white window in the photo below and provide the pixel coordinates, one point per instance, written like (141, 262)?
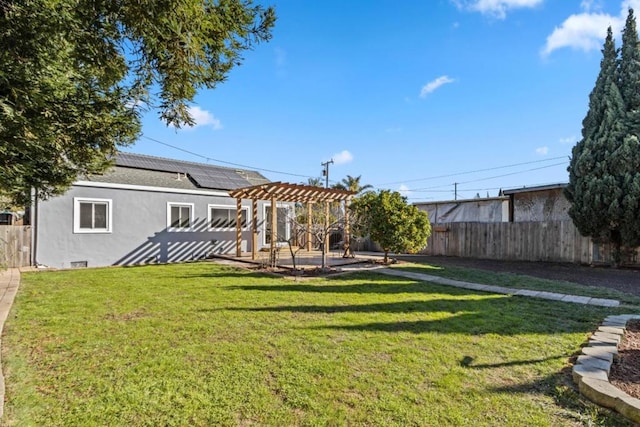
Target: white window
(179, 216)
(92, 215)
(223, 217)
(283, 216)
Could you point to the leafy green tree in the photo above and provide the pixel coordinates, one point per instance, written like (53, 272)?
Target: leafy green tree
(75, 74)
(604, 180)
(352, 184)
(389, 220)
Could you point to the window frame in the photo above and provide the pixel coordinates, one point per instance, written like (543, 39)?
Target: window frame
(230, 208)
(191, 216)
(77, 201)
(266, 210)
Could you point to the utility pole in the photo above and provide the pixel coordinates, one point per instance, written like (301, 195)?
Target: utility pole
(455, 191)
(325, 172)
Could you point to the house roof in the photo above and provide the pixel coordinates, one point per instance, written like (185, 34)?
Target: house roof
(459, 201)
(158, 171)
(532, 189)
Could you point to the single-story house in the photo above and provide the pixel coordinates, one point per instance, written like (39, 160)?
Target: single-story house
(149, 209)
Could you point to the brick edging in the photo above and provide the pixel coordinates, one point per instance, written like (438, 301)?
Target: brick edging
(591, 371)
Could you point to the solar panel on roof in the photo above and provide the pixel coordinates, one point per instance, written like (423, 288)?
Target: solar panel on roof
(205, 176)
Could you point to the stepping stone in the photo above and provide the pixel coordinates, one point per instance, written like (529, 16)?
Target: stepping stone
(576, 299)
(602, 342)
(583, 371)
(601, 352)
(605, 336)
(595, 362)
(611, 330)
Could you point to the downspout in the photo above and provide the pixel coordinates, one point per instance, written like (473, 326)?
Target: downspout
(34, 228)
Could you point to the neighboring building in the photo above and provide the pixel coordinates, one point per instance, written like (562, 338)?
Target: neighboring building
(490, 209)
(145, 210)
(10, 218)
(540, 203)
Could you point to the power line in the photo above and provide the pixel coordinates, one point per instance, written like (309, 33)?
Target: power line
(424, 189)
(488, 178)
(210, 159)
(473, 171)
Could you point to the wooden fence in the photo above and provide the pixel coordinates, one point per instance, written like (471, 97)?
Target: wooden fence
(557, 241)
(15, 246)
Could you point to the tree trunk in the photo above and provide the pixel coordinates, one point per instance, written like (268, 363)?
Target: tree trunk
(616, 249)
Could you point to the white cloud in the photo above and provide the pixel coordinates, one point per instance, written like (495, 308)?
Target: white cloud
(589, 5)
(587, 30)
(584, 31)
(203, 118)
(496, 8)
(568, 140)
(342, 157)
(543, 151)
(435, 84)
(404, 190)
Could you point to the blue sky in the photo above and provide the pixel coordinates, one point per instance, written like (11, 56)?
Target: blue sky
(411, 95)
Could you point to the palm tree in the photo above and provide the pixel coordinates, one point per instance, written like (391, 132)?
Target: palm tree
(352, 184)
(315, 182)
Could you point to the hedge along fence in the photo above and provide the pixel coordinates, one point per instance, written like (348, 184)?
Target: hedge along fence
(557, 241)
(15, 246)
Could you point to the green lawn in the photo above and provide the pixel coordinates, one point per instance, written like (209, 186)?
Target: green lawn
(203, 344)
(519, 281)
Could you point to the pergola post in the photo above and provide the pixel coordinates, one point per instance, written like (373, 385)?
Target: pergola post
(347, 229)
(326, 227)
(254, 228)
(309, 206)
(238, 227)
(274, 225)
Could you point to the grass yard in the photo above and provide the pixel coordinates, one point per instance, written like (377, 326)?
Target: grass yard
(202, 344)
(519, 281)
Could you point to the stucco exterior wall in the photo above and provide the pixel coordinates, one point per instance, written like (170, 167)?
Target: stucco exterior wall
(139, 232)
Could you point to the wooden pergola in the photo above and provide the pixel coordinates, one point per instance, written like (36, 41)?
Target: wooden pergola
(285, 192)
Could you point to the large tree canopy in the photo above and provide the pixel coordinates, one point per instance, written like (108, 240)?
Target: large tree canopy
(390, 221)
(75, 73)
(604, 172)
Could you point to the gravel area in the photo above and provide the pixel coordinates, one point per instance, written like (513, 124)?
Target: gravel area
(621, 279)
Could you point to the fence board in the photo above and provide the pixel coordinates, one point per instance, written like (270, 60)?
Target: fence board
(15, 246)
(557, 241)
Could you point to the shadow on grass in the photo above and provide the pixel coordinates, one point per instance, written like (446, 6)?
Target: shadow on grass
(467, 362)
(501, 315)
(392, 285)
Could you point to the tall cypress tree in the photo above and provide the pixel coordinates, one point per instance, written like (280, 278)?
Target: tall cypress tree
(629, 74)
(596, 172)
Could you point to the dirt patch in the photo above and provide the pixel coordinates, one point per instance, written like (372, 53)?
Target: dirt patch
(621, 279)
(625, 370)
